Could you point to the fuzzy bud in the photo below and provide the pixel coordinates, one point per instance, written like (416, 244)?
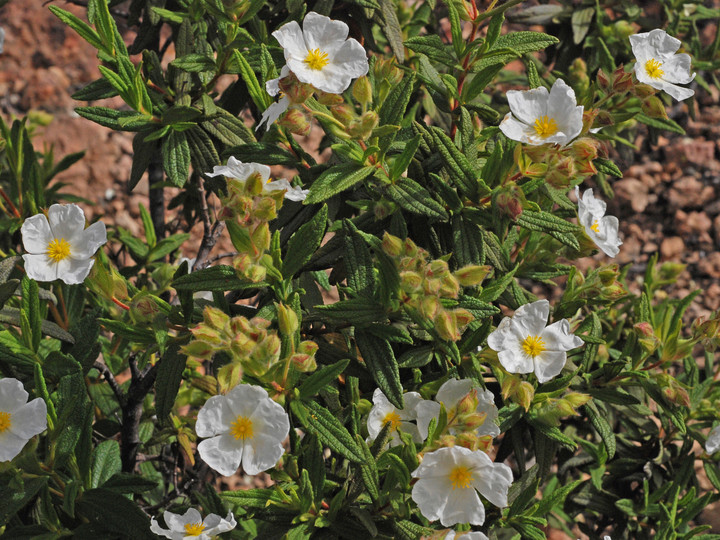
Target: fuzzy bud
(327, 99)
(287, 319)
(653, 107)
(472, 275)
(362, 91)
(643, 90)
(392, 245)
(295, 122)
(446, 326)
(344, 113)
(144, 307)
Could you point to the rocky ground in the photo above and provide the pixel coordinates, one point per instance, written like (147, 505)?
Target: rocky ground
(667, 201)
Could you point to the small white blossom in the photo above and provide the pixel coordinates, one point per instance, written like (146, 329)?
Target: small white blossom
(245, 426)
(659, 66)
(450, 394)
(468, 535)
(20, 421)
(242, 171)
(59, 246)
(538, 117)
(449, 480)
(525, 344)
(712, 444)
(277, 109)
(601, 228)
(383, 412)
(321, 54)
(191, 525)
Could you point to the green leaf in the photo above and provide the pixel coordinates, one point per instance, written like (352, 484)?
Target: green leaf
(393, 108)
(143, 153)
(713, 474)
(31, 309)
(358, 261)
(602, 427)
(194, 63)
(303, 244)
(401, 162)
(457, 165)
(359, 311)
(13, 316)
(455, 28)
(408, 530)
(392, 29)
(607, 166)
(148, 226)
(525, 42)
(251, 498)
(317, 419)
(433, 47)
(105, 462)
(467, 242)
(552, 433)
(660, 123)
(203, 154)
(176, 157)
(336, 179)
(551, 224)
(15, 497)
(115, 514)
(580, 20)
(382, 365)
(368, 470)
(417, 357)
(495, 289)
(74, 413)
(81, 27)
(167, 382)
(129, 483)
(321, 378)
(167, 246)
(258, 94)
(214, 278)
(414, 198)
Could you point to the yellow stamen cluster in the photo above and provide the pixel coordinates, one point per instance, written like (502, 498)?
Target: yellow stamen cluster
(194, 529)
(242, 428)
(461, 477)
(316, 59)
(5, 422)
(595, 226)
(545, 126)
(652, 67)
(533, 345)
(393, 419)
(58, 249)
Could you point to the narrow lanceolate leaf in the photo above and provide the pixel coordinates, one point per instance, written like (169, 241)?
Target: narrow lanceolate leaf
(317, 419)
(303, 244)
(467, 242)
(358, 261)
(214, 278)
(112, 118)
(268, 154)
(660, 123)
(607, 166)
(194, 63)
(105, 462)
(203, 155)
(402, 161)
(393, 108)
(114, 514)
(602, 427)
(551, 224)
(382, 365)
(335, 180)
(432, 47)
(356, 311)
(258, 94)
(321, 378)
(458, 167)
(176, 157)
(81, 27)
(414, 198)
(167, 382)
(368, 470)
(392, 29)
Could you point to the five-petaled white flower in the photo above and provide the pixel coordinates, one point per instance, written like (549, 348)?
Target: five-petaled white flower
(20, 421)
(277, 109)
(59, 246)
(450, 394)
(659, 66)
(525, 344)
(449, 480)
(321, 54)
(245, 426)
(242, 171)
(467, 535)
(383, 412)
(538, 117)
(601, 228)
(712, 444)
(192, 526)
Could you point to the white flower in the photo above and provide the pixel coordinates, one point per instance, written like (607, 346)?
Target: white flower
(525, 344)
(601, 228)
(59, 246)
(449, 480)
(20, 421)
(191, 525)
(275, 110)
(450, 394)
(538, 117)
(242, 171)
(712, 444)
(384, 412)
(320, 54)
(246, 426)
(468, 535)
(659, 66)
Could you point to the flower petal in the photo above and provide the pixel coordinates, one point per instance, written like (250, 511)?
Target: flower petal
(273, 112)
(677, 69)
(515, 361)
(30, 419)
(244, 399)
(89, 241)
(426, 411)
(528, 105)
(548, 364)
(291, 39)
(678, 92)
(712, 444)
(262, 453)
(662, 44)
(217, 525)
(532, 317)
(321, 32)
(74, 271)
(66, 221)
(514, 129)
(10, 445)
(222, 453)
(40, 267)
(272, 419)
(493, 482)
(557, 337)
(214, 417)
(350, 59)
(157, 529)
(463, 506)
(640, 45)
(452, 391)
(12, 395)
(36, 234)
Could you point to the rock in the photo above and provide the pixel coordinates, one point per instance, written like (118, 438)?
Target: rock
(634, 191)
(671, 248)
(689, 192)
(710, 265)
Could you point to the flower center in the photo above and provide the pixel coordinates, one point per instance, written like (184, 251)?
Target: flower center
(316, 59)
(242, 428)
(58, 249)
(461, 477)
(652, 67)
(595, 226)
(545, 127)
(5, 422)
(393, 419)
(533, 345)
(194, 529)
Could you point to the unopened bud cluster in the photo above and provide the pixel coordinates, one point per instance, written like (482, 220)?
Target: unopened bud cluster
(424, 282)
(560, 165)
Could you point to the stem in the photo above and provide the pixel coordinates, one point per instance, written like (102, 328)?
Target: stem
(156, 198)
(140, 385)
(210, 232)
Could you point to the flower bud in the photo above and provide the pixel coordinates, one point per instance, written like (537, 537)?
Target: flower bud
(410, 282)
(295, 122)
(383, 209)
(429, 307)
(198, 350)
(468, 403)
(392, 245)
(446, 326)
(287, 319)
(643, 90)
(584, 149)
(462, 317)
(525, 395)
(327, 99)
(510, 201)
(670, 271)
(144, 307)
(653, 107)
(344, 113)
(304, 363)
(215, 318)
(576, 399)
(472, 275)
(449, 287)
(362, 91)
(623, 81)
(609, 274)
(296, 91)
